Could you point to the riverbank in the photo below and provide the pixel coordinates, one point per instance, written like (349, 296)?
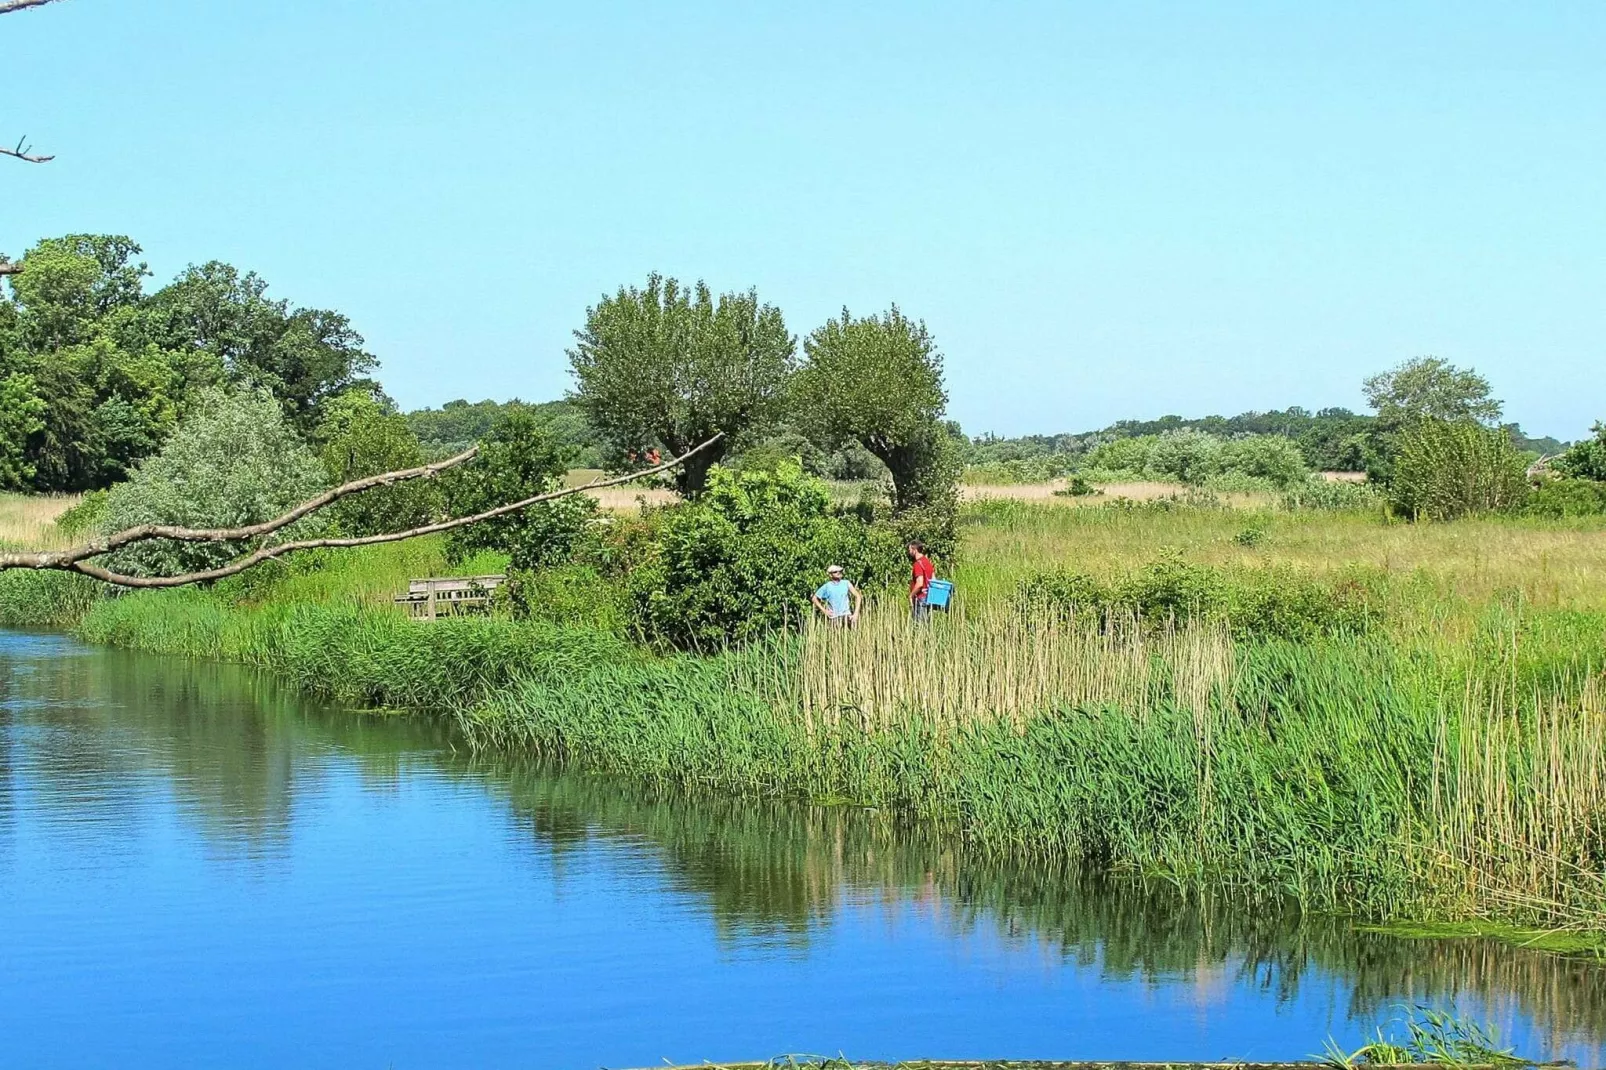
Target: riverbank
(1444, 765)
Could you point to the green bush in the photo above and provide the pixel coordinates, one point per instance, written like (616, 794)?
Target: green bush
(85, 517)
(570, 595)
(32, 598)
(1586, 459)
(1077, 487)
(1319, 493)
(360, 437)
(1446, 470)
(1259, 604)
(743, 559)
(1560, 498)
(1198, 458)
(518, 459)
(234, 461)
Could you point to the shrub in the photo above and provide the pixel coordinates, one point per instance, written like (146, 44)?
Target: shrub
(1319, 493)
(359, 437)
(1560, 498)
(575, 595)
(1261, 604)
(85, 517)
(1586, 459)
(1197, 458)
(234, 461)
(518, 459)
(1077, 487)
(1447, 470)
(744, 559)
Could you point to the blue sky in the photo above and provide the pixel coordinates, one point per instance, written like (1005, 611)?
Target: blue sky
(1102, 211)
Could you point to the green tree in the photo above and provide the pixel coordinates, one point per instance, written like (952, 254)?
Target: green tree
(1430, 388)
(1586, 459)
(69, 287)
(304, 356)
(234, 460)
(671, 366)
(518, 459)
(877, 381)
(21, 417)
(360, 436)
(1446, 469)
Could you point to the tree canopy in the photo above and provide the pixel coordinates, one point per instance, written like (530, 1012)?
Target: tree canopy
(98, 372)
(669, 366)
(1430, 388)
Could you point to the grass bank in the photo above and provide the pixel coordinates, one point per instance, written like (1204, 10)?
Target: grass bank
(1446, 765)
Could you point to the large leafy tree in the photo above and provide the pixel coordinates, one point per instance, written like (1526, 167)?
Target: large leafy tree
(1430, 388)
(304, 356)
(670, 366)
(877, 381)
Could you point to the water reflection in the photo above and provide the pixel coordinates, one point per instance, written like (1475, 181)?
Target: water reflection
(85, 734)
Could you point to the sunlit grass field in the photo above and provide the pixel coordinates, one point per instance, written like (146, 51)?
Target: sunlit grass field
(28, 521)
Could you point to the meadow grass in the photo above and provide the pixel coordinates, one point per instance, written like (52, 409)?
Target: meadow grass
(1446, 765)
(28, 521)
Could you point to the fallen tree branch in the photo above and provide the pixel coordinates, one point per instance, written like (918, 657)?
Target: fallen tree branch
(9, 6)
(21, 153)
(75, 560)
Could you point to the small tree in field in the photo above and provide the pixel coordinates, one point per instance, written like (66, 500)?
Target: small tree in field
(1447, 470)
(666, 366)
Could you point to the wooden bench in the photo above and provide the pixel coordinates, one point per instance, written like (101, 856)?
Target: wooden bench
(449, 596)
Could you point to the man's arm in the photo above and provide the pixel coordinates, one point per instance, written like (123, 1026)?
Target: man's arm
(857, 596)
(819, 605)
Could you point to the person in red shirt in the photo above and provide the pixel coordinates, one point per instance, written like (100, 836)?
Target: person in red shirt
(921, 573)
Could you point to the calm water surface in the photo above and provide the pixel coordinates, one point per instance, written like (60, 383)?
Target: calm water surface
(199, 869)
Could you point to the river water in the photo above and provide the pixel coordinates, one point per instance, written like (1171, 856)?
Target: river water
(199, 868)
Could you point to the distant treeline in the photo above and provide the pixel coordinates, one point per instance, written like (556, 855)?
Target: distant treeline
(1331, 440)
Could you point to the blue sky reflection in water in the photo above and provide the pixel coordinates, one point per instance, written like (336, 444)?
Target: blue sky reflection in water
(196, 868)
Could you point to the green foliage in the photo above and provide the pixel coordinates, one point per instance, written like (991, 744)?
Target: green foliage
(235, 460)
(1319, 493)
(670, 366)
(457, 425)
(1077, 487)
(87, 517)
(518, 459)
(1447, 470)
(1198, 458)
(877, 381)
(1426, 1035)
(1258, 604)
(115, 369)
(1430, 388)
(1044, 469)
(22, 414)
(743, 560)
(361, 437)
(574, 595)
(1586, 459)
(32, 598)
(1558, 499)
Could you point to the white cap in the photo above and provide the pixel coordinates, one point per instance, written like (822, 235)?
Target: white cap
(833, 568)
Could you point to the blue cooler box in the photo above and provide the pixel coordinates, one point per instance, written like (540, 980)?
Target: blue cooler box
(939, 593)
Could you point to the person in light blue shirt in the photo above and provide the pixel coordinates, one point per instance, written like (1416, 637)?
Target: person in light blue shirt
(838, 599)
